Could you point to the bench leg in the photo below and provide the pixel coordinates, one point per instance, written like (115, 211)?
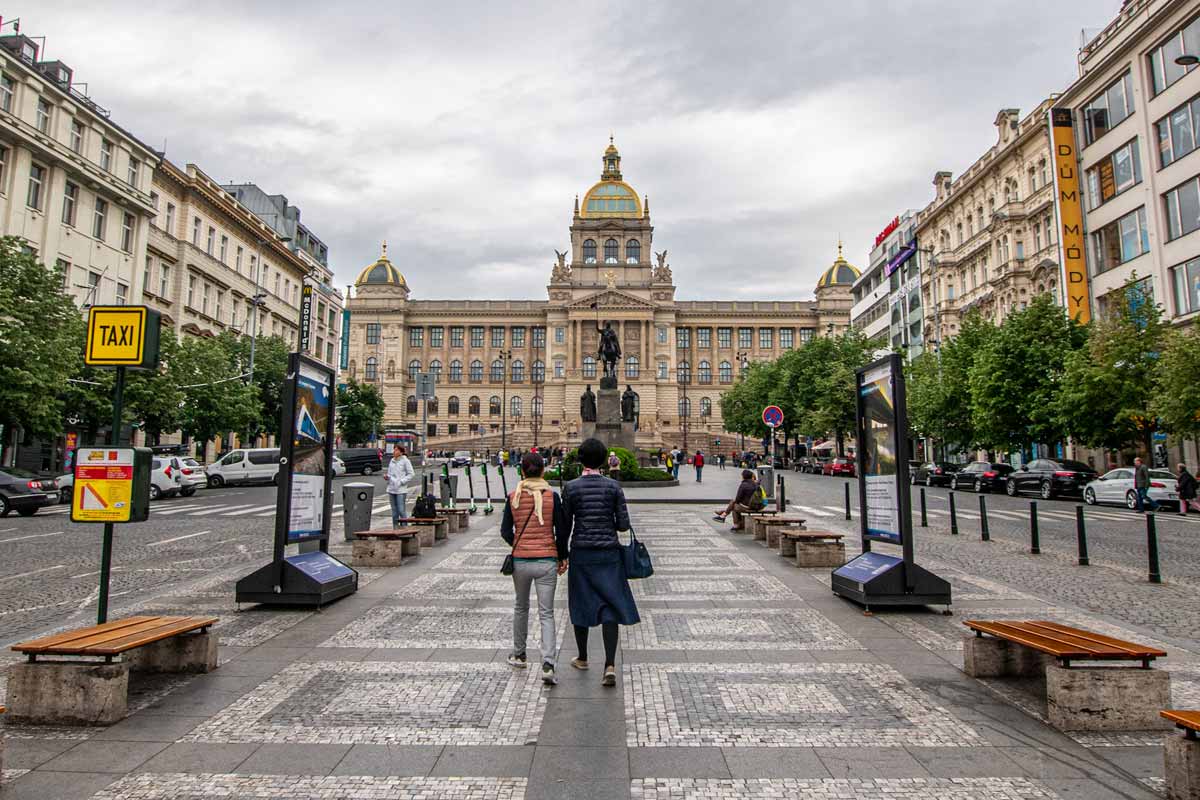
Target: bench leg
(1107, 698)
(989, 657)
(787, 547)
(410, 546)
(772, 536)
(1182, 761)
(440, 531)
(191, 653)
(377, 553)
(425, 534)
(58, 693)
(820, 554)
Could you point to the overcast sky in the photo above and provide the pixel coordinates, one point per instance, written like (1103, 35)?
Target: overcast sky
(462, 131)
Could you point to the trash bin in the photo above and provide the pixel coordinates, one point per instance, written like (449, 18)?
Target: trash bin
(357, 500)
(766, 479)
(445, 494)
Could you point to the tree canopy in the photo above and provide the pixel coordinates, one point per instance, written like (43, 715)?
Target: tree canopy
(359, 412)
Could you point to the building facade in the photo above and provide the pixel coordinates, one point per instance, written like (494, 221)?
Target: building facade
(513, 371)
(887, 297)
(74, 185)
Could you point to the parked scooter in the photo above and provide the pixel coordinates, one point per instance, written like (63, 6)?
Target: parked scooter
(487, 488)
(471, 488)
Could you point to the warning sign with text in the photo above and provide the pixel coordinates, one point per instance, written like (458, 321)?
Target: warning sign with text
(103, 485)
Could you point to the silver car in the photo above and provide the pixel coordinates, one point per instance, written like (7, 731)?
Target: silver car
(1116, 487)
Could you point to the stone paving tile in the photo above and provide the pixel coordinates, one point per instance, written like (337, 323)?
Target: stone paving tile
(464, 586)
(249, 628)
(812, 705)
(735, 629)
(421, 627)
(423, 703)
(182, 786)
(692, 543)
(839, 789)
(728, 587)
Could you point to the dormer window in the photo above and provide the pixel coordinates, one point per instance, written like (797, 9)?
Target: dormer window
(589, 251)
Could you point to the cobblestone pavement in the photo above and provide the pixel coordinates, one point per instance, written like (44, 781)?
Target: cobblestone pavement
(747, 678)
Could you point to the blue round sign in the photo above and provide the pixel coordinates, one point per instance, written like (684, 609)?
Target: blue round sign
(772, 416)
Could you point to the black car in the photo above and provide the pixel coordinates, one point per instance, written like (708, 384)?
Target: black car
(364, 460)
(1050, 477)
(25, 492)
(982, 476)
(934, 473)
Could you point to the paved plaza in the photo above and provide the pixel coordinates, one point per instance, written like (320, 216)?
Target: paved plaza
(747, 678)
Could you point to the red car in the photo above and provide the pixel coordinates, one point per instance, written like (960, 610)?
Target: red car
(839, 466)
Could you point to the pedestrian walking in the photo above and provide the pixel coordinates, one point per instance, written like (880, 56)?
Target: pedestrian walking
(698, 463)
(670, 462)
(614, 465)
(1141, 482)
(535, 526)
(399, 473)
(598, 591)
(1186, 484)
(721, 461)
(676, 457)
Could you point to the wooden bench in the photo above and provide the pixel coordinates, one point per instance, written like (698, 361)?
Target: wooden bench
(96, 692)
(1181, 755)
(385, 547)
(438, 528)
(812, 548)
(771, 526)
(1095, 698)
(459, 517)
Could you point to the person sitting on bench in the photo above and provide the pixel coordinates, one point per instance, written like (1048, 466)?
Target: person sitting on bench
(746, 501)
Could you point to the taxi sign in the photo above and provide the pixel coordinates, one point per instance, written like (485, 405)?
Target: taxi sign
(122, 336)
(112, 484)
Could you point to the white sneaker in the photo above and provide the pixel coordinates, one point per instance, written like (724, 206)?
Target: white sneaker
(517, 660)
(548, 676)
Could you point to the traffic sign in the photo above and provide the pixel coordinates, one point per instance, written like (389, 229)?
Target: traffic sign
(112, 484)
(122, 336)
(772, 416)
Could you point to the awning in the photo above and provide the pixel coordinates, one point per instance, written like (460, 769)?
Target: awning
(828, 445)
(898, 260)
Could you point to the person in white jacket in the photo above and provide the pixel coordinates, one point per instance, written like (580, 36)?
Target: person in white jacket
(399, 473)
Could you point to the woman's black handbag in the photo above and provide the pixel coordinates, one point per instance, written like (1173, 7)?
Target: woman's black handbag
(636, 559)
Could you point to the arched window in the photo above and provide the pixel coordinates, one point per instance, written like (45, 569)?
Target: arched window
(536, 407)
(685, 407)
(1032, 180)
(514, 406)
(494, 405)
(518, 371)
(414, 369)
(431, 406)
(452, 406)
(589, 251)
(372, 368)
(589, 367)
(391, 370)
(631, 367)
(610, 251)
(353, 370)
(704, 372)
(456, 371)
(476, 371)
(725, 372)
(970, 226)
(537, 372)
(684, 372)
(705, 407)
(435, 369)
(633, 251)
(410, 404)
(497, 373)
(473, 406)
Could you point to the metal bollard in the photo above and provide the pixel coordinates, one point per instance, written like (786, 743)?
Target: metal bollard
(1081, 536)
(847, 484)
(924, 513)
(1035, 539)
(984, 534)
(953, 517)
(1152, 547)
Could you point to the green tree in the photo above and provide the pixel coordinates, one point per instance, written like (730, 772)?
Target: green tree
(359, 412)
(215, 399)
(270, 372)
(40, 336)
(1176, 398)
(834, 406)
(152, 397)
(939, 387)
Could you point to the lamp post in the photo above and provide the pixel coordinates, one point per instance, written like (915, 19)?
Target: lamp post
(505, 357)
(538, 377)
(743, 357)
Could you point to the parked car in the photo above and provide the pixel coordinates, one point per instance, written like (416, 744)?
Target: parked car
(1116, 486)
(244, 466)
(935, 473)
(364, 460)
(800, 463)
(817, 465)
(462, 458)
(1050, 477)
(838, 466)
(66, 486)
(166, 479)
(339, 467)
(982, 476)
(193, 474)
(25, 492)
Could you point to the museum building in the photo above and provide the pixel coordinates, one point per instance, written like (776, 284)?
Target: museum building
(514, 370)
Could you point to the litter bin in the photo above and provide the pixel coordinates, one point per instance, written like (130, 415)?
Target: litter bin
(357, 500)
(766, 479)
(446, 493)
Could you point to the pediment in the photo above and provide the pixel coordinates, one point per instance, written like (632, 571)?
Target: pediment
(611, 298)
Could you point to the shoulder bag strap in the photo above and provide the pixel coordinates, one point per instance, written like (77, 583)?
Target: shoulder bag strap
(517, 540)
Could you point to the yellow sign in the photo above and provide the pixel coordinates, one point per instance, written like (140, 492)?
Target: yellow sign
(103, 490)
(122, 336)
(1070, 217)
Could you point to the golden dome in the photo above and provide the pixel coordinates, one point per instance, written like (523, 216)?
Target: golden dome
(840, 273)
(381, 273)
(611, 197)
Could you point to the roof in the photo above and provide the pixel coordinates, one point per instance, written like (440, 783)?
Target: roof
(840, 273)
(381, 273)
(612, 196)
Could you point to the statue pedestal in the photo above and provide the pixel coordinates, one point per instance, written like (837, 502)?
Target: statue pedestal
(609, 427)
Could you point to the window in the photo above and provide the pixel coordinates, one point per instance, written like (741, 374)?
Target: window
(93, 282)
(476, 336)
(662, 369)
(560, 335)
(725, 372)
(414, 369)
(106, 155)
(170, 224)
(1183, 209)
(431, 406)
(456, 335)
(1186, 278)
(435, 369)
(766, 338)
(806, 335)
(164, 280)
(7, 87)
(476, 375)
(745, 338)
(452, 406)
(633, 251)
(100, 219)
(518, 336)
(1108, 109)
(610, 251)
(373, 332)
(3, 166)
(494, 405)
(1037, 236)
(43, 115)
(518, 371)
(220, 302)
(473, 405)
(437, 335)
(661, 334)
(131, 174)
(372, 368)
(1163, 69)
(631, 368)
(514, 406)
(211, 242)
(705, 407)
(223, 253)
(1177, 132)
(725, 337)
(278, 276)
(391, 370)
(127, 227)
(191, 295)
(456, 371)
(37, 176)
(704, 372)
(122, 293)
(787, 338)
(685, 407)
(684, 372)
(416, 337)
(77, 136)
(589, 366)
(497, 336)
(589, 251)
(560, 368)
(146, 277)
(496, 374)
(704, 338)
(537, 372)
(683, 338)
(204, 300)
(410, 404)
(539, 337)
(1113, 174)
(536, 406)
(329, 352)
(70, 200)
(196, 231)
(1120, 241)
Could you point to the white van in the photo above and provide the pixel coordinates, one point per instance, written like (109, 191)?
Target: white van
(244, 466)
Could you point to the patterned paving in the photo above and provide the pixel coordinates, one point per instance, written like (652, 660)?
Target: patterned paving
(736, 629)
(839, 789)
(726, 587)
(203, 786)
(248, 628)
(465, 586)
(421, 627)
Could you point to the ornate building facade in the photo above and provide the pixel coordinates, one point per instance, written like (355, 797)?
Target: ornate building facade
(514, 370)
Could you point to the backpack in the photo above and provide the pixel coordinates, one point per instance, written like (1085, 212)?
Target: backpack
(759, 500)
(426, 506)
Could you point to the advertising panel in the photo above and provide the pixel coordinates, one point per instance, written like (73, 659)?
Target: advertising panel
(1070, 216)
(344, 362)
(878, 454)
(310, 452)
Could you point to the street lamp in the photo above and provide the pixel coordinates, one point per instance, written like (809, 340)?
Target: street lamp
(743, 357)
(538, 377)
(505, 357)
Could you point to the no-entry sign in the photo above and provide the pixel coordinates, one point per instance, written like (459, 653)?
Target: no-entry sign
(772, 416)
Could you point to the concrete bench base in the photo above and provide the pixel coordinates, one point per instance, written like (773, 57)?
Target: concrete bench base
(426, 535)
(441, 531)
(194, 653)
(64, 693)
(1182, 758)
(819, 554)
(377, 553)
(1107, 698)
(452, 522)
(773, 538)
(989, 657)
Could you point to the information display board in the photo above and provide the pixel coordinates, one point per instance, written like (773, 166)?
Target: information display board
(112, 484)
(879, 455)
(311, 456)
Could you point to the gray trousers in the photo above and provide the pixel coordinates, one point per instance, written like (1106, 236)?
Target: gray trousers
(543, 575)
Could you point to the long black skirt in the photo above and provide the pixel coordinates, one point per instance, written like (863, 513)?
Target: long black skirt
(597, 589)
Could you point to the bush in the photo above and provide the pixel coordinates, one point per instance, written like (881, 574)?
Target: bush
(629, 471)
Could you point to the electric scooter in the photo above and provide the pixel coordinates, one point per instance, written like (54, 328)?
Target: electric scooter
(449, 486)
(471, 487)
(504, 483)
(487, 488)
